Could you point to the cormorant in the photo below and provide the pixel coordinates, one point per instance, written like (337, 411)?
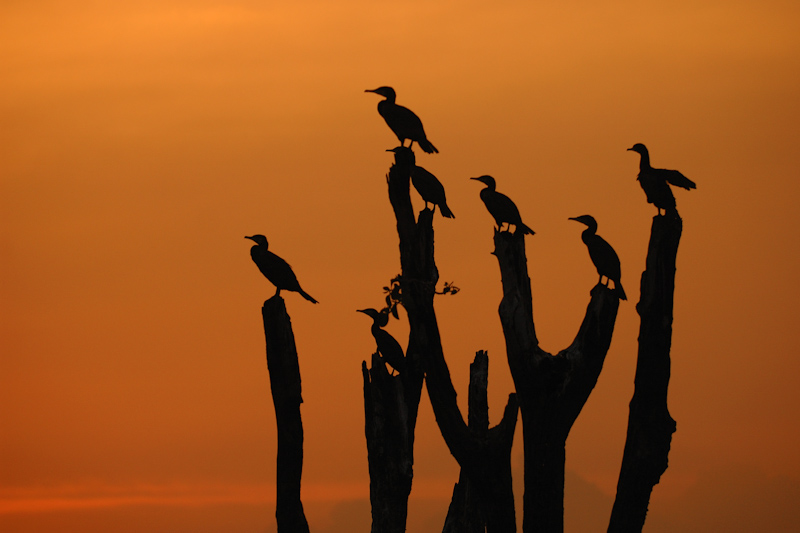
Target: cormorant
(402, 121)
(655, 181)
(501, 207)
(275, 269)
(388, 347)
(428, 186)
(603, 256)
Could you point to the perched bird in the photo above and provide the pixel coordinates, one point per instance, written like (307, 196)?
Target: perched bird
(275, 269)
(603, 256)
(501, 207)
(388, 347)
(402, 121)
(655, 181)
(431, 190)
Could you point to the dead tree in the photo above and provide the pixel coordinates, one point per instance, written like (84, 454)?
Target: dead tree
(473, 509)
(391, 403)
(485, 457)
(650, 426)
(552, 389)
(284, 378)
(390, 411)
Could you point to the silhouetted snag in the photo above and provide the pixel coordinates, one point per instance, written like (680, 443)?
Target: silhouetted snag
(552, 390)
(486, 460)
(284, 378)
(483, 499)
(391, 404)
(390, 447)
(650, 426)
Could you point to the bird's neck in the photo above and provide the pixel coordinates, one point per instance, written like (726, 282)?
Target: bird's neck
(588, 233)
(644, 162)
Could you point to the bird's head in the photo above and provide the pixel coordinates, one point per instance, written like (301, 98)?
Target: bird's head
(403, 155)
(488, 180)
(381, 318)
(639, 148)
(258, 239)
(588, 220)
(386, 92)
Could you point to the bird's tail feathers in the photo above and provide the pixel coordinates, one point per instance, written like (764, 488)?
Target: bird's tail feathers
(307, 296)
(620, 291)
(525, 229)
(427, 146)
(446, 211)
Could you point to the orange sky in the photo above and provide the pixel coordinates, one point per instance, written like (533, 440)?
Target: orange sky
(140, 142)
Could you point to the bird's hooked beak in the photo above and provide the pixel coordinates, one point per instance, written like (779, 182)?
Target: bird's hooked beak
(252, 238)
(486, 180)
(586, 220)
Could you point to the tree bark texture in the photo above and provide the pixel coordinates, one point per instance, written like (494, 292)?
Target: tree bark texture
(650, 426)
(284, 377)
(552, 389)
(485, 459)
(391, 404)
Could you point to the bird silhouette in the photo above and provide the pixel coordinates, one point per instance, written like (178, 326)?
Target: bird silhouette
(402, 121)
(431, 190)
(655, 181)
(428, 186)
(603, 256)
(388, 347)
(274, 268)
(501, 207)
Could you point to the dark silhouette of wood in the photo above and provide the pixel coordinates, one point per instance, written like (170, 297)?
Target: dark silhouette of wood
(470, 510)
(650, 426)
(391, 404)
(284, 378)
(390, 446)
(552, 390)
(485, 460)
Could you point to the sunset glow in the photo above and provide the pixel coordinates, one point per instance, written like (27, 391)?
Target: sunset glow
(140, 141)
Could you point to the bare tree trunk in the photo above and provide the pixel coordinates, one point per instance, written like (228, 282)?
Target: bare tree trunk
(472, 510)
(485, 460)
(552, 390)
(650, 426)
(284, 377)
(391, 404)
(389, 447)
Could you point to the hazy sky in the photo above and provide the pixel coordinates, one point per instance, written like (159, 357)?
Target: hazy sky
(141, 141)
